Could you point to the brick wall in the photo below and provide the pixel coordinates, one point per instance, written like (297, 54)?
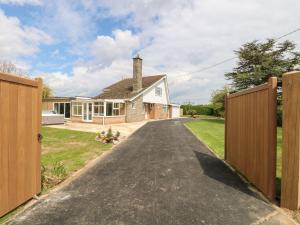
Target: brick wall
(159, 112)
(76, 118)
(109, 120)
(99, 120)
(170, 111)
(137, 114)
(47, 106)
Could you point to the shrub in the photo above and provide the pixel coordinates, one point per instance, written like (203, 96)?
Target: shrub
(107, 137)
(192, 112)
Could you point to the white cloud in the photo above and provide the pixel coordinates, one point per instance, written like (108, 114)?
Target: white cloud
(183, 36)
(22, 2)
(17, 40)
(174, 37)
(106, 49)
(67, 21)
(87, 80)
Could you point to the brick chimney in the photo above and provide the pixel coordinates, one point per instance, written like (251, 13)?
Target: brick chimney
(137, 74)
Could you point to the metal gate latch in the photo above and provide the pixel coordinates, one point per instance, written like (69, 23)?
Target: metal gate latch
(40, 137)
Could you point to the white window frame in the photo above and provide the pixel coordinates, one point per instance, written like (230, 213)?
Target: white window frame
(100, 108)
(76, 105)
(59, 103)
(116, 106)
(158, 91)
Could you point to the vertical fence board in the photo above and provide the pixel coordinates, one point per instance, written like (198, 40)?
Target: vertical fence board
(20, 123)
(250, 135)
(290, 187)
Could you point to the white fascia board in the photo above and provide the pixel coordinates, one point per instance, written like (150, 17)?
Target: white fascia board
(113, 100)
(84, 98)
(131, 99)
(100, 100)
(167, 90)
(177, 105)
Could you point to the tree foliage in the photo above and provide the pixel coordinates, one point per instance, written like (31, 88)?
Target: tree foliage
(47, 91)
(8, 67)
(258, 60)
(218, 100)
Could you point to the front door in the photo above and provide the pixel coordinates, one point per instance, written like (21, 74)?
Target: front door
(87, 111)
(67, 110)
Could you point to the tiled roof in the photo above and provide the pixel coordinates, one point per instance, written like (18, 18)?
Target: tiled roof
(123, 88)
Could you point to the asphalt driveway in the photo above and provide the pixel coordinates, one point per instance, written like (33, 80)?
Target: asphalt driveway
(161, 175)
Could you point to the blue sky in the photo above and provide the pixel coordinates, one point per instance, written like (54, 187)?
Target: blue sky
(81, 46)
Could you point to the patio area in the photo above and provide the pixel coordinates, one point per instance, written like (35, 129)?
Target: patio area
(125, 129)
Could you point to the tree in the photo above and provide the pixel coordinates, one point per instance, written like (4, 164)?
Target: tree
(8, 67)
(258, 60)
(218, 100)
(47, 91)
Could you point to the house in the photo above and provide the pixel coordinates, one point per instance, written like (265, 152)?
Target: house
(129, 100)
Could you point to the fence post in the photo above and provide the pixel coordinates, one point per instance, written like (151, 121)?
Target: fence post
(225, 118)
(290, 187)
(272, 133)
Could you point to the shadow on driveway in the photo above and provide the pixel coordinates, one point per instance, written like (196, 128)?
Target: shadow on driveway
(219, 171)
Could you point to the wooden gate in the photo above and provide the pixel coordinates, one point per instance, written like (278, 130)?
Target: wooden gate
(250, 134)
(20, 150)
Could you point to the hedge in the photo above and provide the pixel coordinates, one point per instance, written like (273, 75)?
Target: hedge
(200, 109)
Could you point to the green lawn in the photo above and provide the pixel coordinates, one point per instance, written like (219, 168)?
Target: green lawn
(71, 148)
(201, 116)
(211, 132)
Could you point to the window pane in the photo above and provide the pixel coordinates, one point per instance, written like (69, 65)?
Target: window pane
(109, 107)
(56, 107)
(79, 109)
(158, 91)
(122, 109)
(116, 112)
(96, 109)
(116, 105)
(61, 108)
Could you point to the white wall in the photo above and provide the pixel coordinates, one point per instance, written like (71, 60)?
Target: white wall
(150, 97)
(175, 111)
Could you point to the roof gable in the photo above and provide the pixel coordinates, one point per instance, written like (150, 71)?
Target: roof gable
(123, 89)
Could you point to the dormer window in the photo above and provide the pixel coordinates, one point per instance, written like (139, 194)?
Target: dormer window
(158, 91)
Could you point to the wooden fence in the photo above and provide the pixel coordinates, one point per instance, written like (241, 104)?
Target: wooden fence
(290, 184)
(20, 149)
(250, 134)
